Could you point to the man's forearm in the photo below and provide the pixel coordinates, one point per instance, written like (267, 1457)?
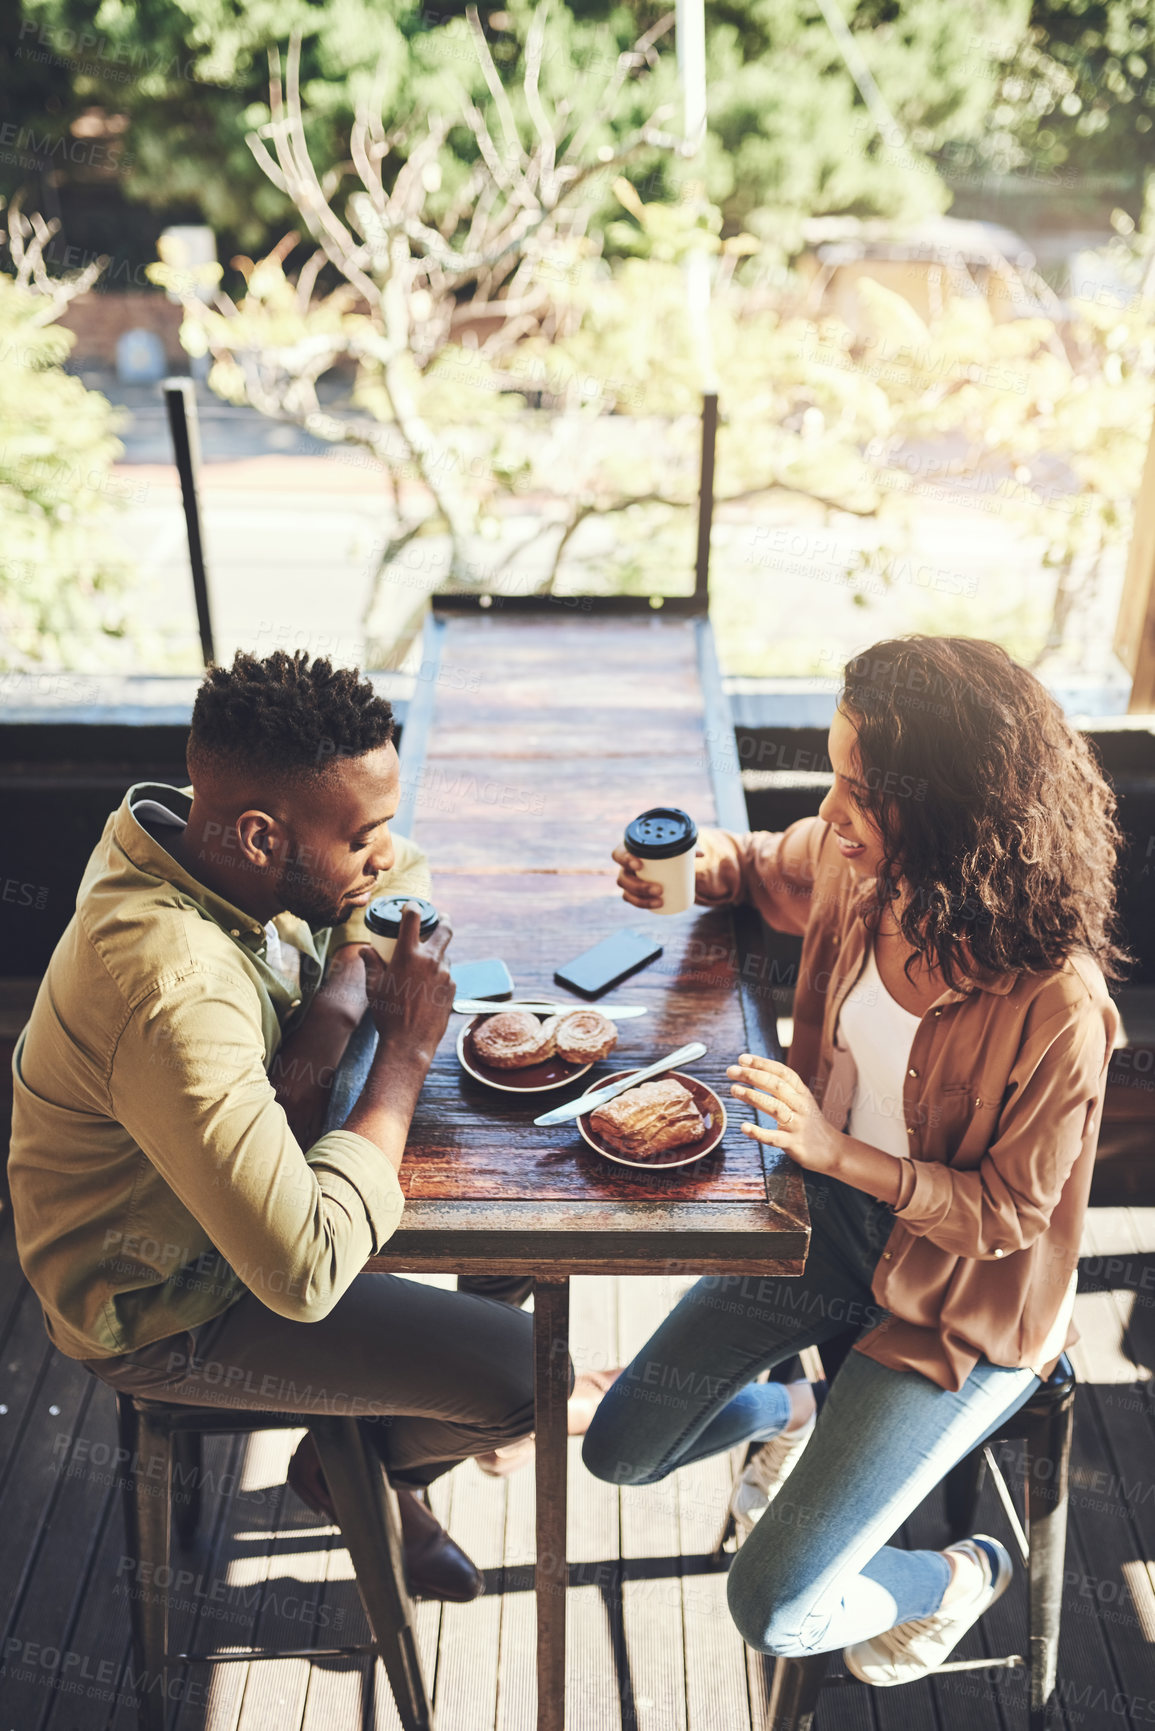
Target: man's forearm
(389, 1099)
(303, 1070)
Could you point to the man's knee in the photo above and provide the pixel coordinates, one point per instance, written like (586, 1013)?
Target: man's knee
(512, 1413)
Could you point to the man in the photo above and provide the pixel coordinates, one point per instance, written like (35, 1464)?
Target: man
(189, 1231)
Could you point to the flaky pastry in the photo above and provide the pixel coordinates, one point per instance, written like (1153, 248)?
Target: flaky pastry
(649, 1119)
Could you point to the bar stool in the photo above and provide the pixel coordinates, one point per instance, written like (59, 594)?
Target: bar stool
(157, 1437)
(1043, 1424)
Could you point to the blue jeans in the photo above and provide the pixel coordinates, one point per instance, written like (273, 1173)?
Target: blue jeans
(816, 1573)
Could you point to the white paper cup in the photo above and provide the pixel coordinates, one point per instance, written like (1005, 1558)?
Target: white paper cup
(664, 840)
(383, 922)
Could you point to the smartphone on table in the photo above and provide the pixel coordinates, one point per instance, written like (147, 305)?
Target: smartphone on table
(607, 964)
(488, 979)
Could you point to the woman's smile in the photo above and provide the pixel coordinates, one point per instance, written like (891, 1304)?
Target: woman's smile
(847, 848)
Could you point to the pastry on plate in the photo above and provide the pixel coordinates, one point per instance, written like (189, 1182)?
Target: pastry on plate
(585, 1035)
(514, 1039)
(649, 1119)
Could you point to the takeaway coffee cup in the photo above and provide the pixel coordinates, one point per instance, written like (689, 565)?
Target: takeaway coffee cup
(664, 839)
(383, 921)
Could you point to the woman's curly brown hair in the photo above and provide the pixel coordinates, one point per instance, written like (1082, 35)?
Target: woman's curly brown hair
(991, 807)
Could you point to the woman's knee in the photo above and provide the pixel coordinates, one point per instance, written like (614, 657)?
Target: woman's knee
(771, 1615)
(609, 1448)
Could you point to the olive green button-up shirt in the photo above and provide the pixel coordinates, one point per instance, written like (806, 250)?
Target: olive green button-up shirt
(153, 1173)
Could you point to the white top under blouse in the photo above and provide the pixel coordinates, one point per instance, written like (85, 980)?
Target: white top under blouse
(879, 1034)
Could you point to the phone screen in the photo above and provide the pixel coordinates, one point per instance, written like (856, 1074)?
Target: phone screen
(489, 979)
(607, 963)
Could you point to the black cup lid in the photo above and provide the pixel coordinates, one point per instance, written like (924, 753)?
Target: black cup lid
(663, 832)
(383, 916)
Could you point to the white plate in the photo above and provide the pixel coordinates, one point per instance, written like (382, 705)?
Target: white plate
(706, 1101)
(543, 1078)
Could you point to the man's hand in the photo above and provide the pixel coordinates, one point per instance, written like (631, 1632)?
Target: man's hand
(411, 999)
(638, 891)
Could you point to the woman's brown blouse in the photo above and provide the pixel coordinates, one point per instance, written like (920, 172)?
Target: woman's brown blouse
(1002, 1103)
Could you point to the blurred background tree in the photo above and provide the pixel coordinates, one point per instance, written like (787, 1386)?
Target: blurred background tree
(62, 580)
(181, 82)
(1074, 100)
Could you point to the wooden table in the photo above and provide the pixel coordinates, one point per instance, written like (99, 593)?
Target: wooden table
(529, 746)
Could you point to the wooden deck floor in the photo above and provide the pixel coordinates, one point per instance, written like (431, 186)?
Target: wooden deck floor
(651, 1646)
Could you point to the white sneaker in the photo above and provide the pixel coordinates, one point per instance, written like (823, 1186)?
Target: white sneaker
(912, 1650)
(764, 1475)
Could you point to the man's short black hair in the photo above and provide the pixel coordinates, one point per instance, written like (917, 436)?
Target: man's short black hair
(285, 715)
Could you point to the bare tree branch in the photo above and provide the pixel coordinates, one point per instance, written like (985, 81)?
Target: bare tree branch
(28, 238)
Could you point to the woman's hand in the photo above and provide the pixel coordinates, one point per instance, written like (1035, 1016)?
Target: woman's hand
(639, 891)
(802, 1131)
(636, 890)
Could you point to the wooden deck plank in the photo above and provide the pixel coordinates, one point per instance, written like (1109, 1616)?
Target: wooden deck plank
(468, 1650)
(13, 1285)
(101, 1627)
(717, 1697)
(713, 1659)
(28, 1355)
(68, 1543)
(651, 1543)
(1112, 1487)
(241, 1566)
(289, 1614)
(26, 1504)
(337, 1688)
(517, 1680)
(593, 1692)
(98, 1632)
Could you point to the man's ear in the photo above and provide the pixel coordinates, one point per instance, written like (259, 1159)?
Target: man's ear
(259, 838)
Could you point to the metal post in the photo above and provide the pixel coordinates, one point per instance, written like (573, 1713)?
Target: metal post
(551, 1570)
(181, 403)
(690, 39)
(706, 499)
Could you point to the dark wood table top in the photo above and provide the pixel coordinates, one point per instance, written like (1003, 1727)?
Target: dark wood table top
(539, 741)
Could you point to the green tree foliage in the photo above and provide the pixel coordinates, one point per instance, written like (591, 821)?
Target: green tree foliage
(193, 77)
(789, 134)
(61, 579)
(1075, 102)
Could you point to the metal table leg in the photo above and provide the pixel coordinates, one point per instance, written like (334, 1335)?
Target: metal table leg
(551, 1392)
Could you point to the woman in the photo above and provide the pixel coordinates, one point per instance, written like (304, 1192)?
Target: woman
(952, 1030)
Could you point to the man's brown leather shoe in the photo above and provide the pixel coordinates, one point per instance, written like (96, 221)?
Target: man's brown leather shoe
(437, 1568)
